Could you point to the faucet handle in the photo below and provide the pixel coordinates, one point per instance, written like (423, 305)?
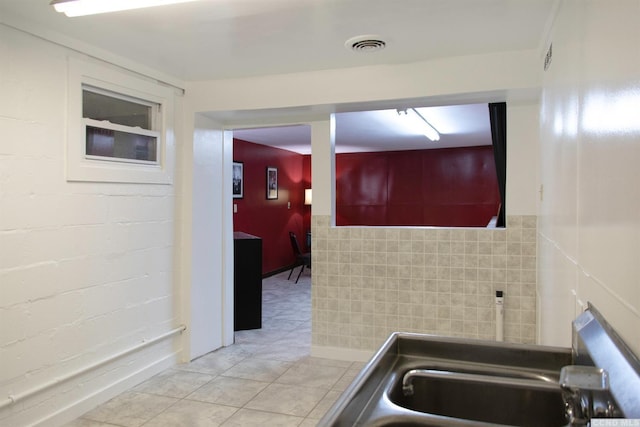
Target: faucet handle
(585, 393)
(584, 378)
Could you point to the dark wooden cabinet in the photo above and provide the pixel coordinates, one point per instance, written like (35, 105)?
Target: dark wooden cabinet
(247, 281)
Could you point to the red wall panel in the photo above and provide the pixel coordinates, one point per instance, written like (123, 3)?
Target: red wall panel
(271, 220)
(405, 174)
(446, 187)
(362, 183)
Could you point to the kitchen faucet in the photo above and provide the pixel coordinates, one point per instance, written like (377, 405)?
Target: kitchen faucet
(585, 391)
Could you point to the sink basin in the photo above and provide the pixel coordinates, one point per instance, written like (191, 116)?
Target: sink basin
(497, 400)
(473, 383)
(376, 398)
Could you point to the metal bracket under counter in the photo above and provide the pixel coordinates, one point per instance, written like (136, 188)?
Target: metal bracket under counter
(596, 343)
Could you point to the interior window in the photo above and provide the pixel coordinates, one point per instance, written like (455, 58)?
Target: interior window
(393, 174)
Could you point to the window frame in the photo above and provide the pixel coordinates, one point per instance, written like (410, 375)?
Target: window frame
(122, 85)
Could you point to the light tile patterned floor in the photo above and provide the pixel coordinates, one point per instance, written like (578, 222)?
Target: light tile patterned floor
(267, 378)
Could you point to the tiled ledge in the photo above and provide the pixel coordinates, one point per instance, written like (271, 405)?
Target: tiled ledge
(371, 281)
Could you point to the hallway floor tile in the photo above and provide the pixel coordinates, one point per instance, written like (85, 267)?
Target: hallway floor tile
(266, 378)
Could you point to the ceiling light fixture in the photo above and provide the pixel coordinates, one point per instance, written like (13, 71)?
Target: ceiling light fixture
(73, 8)
(419, 124)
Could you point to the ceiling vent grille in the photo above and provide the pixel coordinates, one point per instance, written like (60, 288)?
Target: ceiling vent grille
(365, 44)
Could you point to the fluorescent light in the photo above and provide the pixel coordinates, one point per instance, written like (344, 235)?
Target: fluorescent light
(418, 124)
(73, 8)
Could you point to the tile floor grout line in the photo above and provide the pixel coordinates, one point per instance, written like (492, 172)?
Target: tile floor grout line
(283, 342)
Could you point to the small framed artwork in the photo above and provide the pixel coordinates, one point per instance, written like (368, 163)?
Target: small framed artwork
(238, 180)
(272, 183)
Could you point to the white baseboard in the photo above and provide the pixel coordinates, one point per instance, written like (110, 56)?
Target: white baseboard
(339, 353)
(78, 408)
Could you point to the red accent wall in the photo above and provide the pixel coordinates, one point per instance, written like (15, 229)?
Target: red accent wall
(446, 187)
(271, 219)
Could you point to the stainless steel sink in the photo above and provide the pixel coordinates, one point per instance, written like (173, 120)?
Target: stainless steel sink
(426, 380)
(486, 397)
(376, 397)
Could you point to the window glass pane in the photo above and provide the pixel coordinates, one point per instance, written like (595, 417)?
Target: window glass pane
(121, 145)
(102, 107)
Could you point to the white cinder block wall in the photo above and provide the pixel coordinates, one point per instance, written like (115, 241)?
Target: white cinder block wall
(589, 228)
(86, 269)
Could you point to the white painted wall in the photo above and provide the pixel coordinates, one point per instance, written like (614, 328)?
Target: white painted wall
(522, 158)
(323, 167)
(208, 247)
(589, 231)
(86, 269)
(480, 78)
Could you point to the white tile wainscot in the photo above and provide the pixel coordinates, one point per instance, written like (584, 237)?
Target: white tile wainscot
(371, 281)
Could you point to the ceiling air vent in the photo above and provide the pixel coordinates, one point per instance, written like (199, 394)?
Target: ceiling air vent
(365, 43)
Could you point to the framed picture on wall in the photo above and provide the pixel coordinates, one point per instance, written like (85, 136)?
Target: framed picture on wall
(272, 183)
(238, 180)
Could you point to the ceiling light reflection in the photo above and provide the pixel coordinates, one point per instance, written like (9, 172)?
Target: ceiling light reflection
(565, 122)
(612, 112)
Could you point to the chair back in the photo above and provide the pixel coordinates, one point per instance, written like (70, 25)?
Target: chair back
(294, 243)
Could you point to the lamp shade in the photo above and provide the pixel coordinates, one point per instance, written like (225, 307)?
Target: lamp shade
(307, 196)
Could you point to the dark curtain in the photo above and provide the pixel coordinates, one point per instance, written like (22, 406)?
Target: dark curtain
(498, 119)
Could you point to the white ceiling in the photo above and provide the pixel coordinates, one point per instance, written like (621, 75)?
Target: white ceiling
(383, 130)
(214, 39)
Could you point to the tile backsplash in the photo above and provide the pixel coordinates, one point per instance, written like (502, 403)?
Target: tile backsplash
(371, 281)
